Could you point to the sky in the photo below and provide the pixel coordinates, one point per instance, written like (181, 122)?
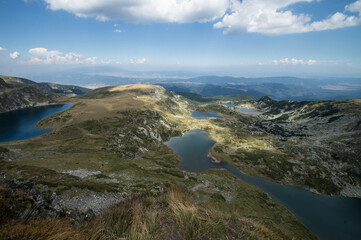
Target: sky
(222, 37)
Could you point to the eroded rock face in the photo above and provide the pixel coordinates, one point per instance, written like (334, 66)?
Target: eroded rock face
(25, 201)
(356, 172)
(23, 97)
(140, 131)
(17, 93)
(85, 204)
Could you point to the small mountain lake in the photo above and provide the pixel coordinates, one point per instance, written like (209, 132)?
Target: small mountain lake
(206, 115)
(252, 112)
(229, 104)
(21, 124)
(329, 217)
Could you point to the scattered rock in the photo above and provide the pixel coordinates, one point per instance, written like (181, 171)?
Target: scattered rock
(82, 173)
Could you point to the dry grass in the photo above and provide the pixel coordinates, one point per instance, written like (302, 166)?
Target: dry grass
(174, 214)
(132, 87)
(41, 229)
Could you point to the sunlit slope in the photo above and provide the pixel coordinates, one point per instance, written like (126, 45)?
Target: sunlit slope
(314, 145)
(109, 147)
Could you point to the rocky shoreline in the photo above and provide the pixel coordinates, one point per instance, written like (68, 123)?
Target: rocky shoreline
(212, 158)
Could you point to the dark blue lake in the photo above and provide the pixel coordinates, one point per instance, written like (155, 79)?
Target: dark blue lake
(252, 112)
(329, 217)
(206, 115)
(21, 124)
(229, 104)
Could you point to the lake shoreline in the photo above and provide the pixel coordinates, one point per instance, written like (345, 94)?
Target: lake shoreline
(342, 212)
(22, 124)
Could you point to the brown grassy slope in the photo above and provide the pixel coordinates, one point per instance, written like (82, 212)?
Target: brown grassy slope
(173, 214)
(210, 205)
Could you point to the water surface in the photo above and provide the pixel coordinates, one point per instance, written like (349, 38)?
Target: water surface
(329, 217)
(206, 115)
(21, 124)
(193, 148)
(252, 112)
(229, 104)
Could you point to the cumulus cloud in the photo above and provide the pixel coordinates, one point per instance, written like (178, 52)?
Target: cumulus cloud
(178, 11)
(354, 7)
(2, 49)
(337, 20)
(44, 52)
(45, 56)
(117, 30)
(255, 16)
(270, 17)
(14, 55)
(294, 61)
(137, 61)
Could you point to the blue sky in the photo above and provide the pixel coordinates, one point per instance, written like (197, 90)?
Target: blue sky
(225, 37)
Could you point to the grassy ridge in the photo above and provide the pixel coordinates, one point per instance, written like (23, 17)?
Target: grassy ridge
(163, 202)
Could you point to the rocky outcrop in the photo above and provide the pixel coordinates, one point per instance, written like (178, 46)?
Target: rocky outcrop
(16, 93)
(23, 200)
(323, 139)
(24, 97)
(3, 84)
(139, 131)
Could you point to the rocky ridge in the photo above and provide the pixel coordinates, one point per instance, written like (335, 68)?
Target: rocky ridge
(16, 93)
(325, 136)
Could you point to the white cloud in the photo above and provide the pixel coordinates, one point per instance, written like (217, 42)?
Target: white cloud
(178, 11)
(269, 17)
(235, 16)
(105, 62)
(137, 61)
(294, 61)
(44, 52)
(44, 56)
(311, 62)
(117, 30)
(2, 49)
(14, 55)
(337, 20)
(354, 7)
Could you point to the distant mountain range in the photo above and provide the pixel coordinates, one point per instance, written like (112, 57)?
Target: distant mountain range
(279, 88)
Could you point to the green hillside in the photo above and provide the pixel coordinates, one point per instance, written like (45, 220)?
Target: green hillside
(107, 151)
